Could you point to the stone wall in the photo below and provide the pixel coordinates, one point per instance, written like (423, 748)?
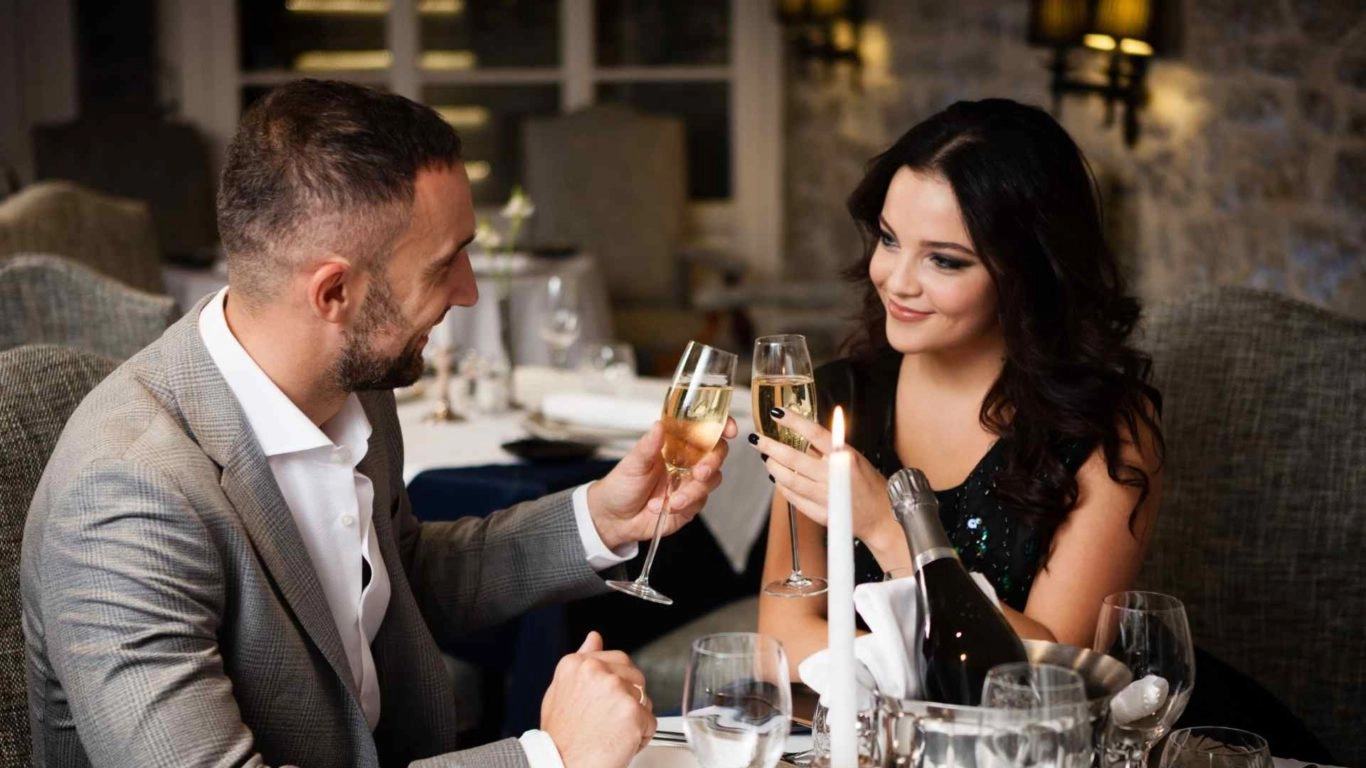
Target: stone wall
(1250, 168)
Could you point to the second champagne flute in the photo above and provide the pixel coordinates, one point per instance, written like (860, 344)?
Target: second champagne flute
(695, 412)
(783, 379)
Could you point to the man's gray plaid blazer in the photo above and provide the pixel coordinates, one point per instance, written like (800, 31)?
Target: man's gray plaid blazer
(172, 615)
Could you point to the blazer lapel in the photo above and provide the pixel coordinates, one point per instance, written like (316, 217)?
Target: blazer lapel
(212, 415)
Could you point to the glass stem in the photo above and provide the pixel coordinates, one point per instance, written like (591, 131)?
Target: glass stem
(675, 479)
(796, 558)
(1127, 752)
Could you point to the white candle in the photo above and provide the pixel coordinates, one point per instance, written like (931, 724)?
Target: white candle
(843, 715)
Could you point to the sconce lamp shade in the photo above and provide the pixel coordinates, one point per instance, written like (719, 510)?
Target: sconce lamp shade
(1058, 22)
(803, 11)
(1124, 18)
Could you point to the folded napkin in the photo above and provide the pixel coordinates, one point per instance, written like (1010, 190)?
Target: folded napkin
(888, 660)
(592, 410)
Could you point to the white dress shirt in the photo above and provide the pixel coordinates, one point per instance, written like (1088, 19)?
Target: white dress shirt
(331, 502)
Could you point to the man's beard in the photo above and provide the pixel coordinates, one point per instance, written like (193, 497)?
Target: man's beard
(360, 367)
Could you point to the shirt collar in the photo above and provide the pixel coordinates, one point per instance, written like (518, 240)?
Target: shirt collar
(280, 427)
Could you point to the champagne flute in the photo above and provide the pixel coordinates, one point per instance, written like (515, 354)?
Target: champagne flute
(1214, 747)
(1149, 632)
(783, 379)
(737, 701)
(695, 412)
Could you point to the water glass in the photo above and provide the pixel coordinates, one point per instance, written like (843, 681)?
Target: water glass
(1213, 747)
(608, 367)
(737, 701)
(1053, 727)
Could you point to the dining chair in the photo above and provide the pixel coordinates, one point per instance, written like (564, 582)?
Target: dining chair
(51, 300)
(613, 181)
(40, 386)
(111, 235)
(1263, 519)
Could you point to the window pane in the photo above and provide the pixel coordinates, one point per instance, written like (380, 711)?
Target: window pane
(489, 119)
(313, 35)
(487, 34)
(705, 111)
(637, 33)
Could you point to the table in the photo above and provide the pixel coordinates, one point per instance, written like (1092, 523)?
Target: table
(736, 514)
(476, 327)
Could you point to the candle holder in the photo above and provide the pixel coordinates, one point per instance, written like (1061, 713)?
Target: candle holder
(442, 411)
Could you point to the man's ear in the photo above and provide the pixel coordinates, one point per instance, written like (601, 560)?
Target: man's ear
(334, 290)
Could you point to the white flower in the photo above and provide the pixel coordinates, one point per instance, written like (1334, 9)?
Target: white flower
(519, 206)
(487, 236)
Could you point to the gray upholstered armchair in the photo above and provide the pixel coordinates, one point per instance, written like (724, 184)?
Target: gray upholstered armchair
(1263, 520)
(112, 235)
(40, 386)
(51, 300)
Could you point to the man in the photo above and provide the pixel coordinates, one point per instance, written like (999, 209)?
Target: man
(220, 566)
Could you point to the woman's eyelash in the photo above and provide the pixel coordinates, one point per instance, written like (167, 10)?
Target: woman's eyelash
(946, 262)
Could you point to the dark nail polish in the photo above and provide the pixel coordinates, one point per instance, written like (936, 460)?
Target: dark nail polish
(776, 413)
(753, 439)
(771, 480)
(763, 457)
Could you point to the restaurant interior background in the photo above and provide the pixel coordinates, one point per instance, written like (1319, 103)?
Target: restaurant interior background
(1244, 163)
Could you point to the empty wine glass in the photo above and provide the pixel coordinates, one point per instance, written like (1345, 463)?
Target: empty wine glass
(695, 412)
(1053, 728)
(782, 378)
(608, 366)
(560, 323)
(737, 701)
(1150, 634)
(1214, 747)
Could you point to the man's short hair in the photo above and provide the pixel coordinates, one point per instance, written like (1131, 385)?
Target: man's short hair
(322, 166)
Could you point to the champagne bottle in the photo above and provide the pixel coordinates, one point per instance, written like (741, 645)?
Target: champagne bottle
(963, 635)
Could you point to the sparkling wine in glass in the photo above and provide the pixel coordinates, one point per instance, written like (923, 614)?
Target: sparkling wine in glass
(1214, 747)
(695, 412)
(1149, 632)
(737, 701)
(782, 378)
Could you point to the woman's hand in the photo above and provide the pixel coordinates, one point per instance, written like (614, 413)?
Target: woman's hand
(804, 477)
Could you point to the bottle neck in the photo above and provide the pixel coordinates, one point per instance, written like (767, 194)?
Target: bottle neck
(925, 535)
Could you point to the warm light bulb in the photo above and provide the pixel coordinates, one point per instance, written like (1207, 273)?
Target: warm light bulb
(1099, 42)
(1135, 47)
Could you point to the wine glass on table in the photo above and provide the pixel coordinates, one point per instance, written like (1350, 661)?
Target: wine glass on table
(1215, 747)
(737, 701)
(782, 378)
(1150, 634)
(695, 413)
(560, 324)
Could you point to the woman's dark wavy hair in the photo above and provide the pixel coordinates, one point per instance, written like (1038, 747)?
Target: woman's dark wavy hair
(1030, 204)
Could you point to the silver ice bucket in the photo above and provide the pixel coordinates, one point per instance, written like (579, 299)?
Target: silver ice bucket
(920, 734)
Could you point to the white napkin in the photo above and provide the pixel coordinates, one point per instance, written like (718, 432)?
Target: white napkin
(888, 653)
(592, 410)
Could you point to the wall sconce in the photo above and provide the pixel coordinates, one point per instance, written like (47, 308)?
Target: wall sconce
(824, 31)
(1130, 31)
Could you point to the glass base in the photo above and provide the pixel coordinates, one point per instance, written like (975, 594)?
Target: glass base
(796, 586)
(642, 591)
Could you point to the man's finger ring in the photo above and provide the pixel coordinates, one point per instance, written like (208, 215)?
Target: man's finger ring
(641, 700)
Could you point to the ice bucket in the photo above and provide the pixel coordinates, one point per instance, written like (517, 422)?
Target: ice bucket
(920, 734)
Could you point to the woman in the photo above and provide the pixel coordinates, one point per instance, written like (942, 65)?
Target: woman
(995, 356)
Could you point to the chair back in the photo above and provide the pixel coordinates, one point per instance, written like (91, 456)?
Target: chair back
(1263, 519)
(111, 235)
(144, 157)
(613, 181)
(51, 300)
(40, 386)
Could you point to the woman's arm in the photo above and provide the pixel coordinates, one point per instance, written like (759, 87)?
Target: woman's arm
(1095, 552)
(798, 622)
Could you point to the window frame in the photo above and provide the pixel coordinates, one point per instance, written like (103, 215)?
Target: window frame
(200, 44)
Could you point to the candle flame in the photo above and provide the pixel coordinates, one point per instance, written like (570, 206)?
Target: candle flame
(837, 429)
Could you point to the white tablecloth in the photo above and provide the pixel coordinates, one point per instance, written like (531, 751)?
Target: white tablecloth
(474, 327)
(735, 514)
